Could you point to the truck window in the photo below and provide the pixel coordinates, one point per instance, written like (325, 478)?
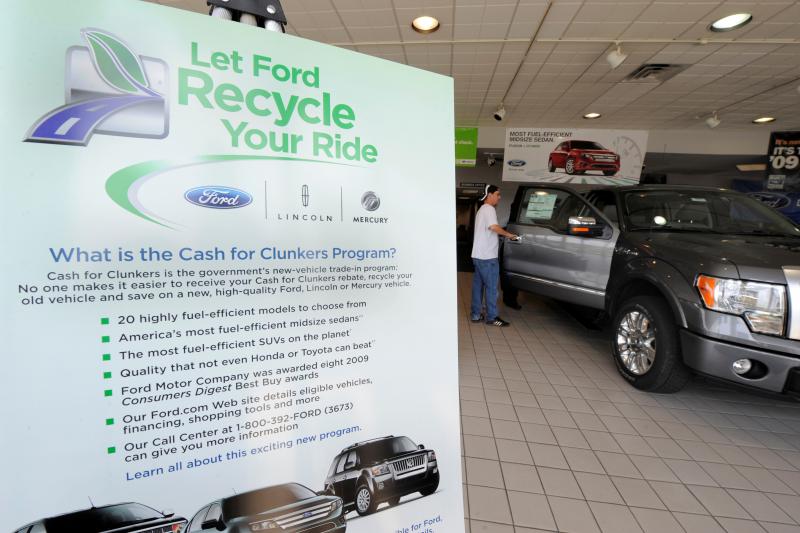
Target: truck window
(333, 465)
(197, 521)
(551, 208)
(605, 202)
(352, 460)
(340, 466)
(214, 513)
(538, 206)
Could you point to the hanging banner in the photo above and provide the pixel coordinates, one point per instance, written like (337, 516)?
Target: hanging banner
(550, 155)
(217, 305)
(466, 147)
(783, 168)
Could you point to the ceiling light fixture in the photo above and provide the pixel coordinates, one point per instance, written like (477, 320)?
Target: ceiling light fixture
(731, 22)
(590, 116)
(763, 120)
(500, 112)
(713, 121)
(425, 24)
(616, 57)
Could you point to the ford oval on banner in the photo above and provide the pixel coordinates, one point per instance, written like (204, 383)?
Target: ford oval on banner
(216, 197)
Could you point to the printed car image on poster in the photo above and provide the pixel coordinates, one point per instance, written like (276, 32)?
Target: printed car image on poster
(549, 155)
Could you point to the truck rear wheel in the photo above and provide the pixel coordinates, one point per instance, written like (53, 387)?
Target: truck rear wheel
(646, 346)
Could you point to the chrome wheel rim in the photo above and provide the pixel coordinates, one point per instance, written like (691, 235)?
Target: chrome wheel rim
(363, 499)
(636, 342)
(570, 166)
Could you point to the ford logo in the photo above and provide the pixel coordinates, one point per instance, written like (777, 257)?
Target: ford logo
(774, 200)
(307, 514)
(217, 197)
(516, 163)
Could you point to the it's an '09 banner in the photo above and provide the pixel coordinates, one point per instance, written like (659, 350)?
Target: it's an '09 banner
(222, 308)
(783, 166)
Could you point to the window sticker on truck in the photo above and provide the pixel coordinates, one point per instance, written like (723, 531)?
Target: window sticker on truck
(541, 206)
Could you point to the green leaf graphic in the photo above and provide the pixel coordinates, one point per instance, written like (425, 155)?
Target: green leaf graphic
(115, 63)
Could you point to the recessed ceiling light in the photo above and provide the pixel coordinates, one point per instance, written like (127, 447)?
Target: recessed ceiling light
(592, 115)
(731, 22)
(763, 120)
(425, 24)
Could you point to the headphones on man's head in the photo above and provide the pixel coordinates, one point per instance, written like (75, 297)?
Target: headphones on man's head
(489, 189)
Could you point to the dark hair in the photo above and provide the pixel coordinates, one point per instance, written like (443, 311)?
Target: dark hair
(490, 189)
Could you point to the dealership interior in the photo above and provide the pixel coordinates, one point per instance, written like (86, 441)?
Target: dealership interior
(554, 437)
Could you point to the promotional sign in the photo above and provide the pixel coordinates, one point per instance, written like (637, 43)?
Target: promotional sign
(783, 169)
(466, 147)
(221, 303)
(605, 157)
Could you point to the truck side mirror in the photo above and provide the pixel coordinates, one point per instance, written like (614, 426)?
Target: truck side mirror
(585, 227)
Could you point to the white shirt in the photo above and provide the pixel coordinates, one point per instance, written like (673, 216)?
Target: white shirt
(485, 243)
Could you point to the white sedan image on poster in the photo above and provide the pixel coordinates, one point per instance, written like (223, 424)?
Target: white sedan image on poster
(222, 310)
(551, 155)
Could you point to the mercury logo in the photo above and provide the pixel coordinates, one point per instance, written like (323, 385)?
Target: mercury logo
(109, 90)
(370, 201)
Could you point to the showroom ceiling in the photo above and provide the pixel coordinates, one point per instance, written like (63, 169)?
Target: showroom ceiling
(555, 54)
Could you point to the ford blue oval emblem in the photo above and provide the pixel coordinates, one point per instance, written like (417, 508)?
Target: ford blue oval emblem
(772, 199)
(217, 197)
(516, 163)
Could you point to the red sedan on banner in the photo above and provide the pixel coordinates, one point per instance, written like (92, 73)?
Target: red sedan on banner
(576, 157)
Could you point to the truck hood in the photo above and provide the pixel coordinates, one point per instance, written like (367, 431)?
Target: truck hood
(751, 257)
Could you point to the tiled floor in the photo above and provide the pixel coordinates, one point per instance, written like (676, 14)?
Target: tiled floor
(555, 440)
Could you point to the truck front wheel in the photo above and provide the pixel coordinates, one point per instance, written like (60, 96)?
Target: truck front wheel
(646, 346)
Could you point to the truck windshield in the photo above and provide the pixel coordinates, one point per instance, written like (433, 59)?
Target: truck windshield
(378, 451)
(703, 211)
(262, 500)
(102, 518)
(585, 145)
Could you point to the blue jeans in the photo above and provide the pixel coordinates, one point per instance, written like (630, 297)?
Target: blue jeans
(486, 275)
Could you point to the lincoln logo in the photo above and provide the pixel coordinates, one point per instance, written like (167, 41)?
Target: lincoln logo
(304, 195)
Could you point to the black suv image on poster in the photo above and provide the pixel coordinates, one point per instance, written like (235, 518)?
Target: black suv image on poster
(119, 518)
(288, 507)
(369, 473)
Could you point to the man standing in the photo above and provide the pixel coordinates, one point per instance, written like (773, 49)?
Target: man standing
(484, 257)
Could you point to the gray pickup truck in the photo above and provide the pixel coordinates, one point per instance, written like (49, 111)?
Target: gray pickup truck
(694, 279)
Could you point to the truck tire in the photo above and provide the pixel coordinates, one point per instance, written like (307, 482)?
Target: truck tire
(365, 500)
(646, 346)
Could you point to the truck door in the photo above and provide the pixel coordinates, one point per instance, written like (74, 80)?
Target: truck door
(566, 246)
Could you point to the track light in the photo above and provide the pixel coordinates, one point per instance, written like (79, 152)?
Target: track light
(500, 112)
(713, 121)
(616, 57)
(250, 13)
